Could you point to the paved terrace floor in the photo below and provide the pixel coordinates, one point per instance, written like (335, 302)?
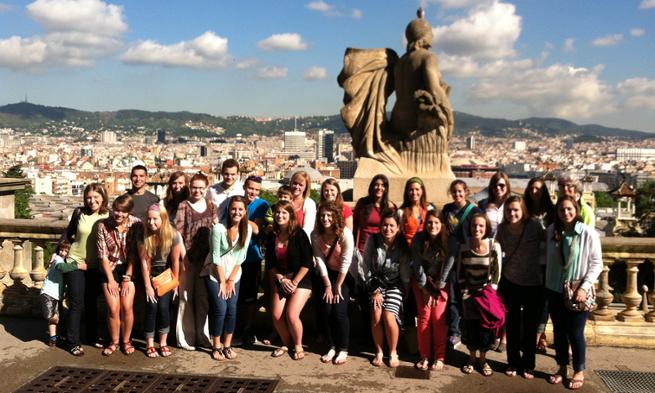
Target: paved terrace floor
(23, 356)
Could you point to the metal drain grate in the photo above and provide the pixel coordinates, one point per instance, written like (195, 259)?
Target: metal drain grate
(84, 380)
(628, 381)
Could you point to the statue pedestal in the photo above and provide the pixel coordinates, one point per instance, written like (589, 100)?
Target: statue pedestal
(436, 184)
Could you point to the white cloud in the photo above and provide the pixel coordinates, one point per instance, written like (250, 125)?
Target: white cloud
(315, 73)
(558, 90)
(205, 51)
(638, 93)
(646, 4)
(356, 13)
(328, 9)
(272, 73)
(637, 32)
(77, 33)
(488, 31)
(569, 45)
(4, 8)
(246, 64)
(283, 42)
(608, 40)
(320, 6)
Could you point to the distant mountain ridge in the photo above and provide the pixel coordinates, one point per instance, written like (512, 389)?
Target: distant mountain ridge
(24, 115)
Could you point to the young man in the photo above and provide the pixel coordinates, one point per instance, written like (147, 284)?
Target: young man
(571, 186)
(140, 195)
(230, 185)
(252, 266)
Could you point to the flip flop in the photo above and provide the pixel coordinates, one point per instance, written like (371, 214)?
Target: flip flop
(298, 355)
(486, 370)
(151, 352)
(110, 349)
(280, 351)
(342, 357)
(128, 348)
(217, 354)
(468, 369)
(165, 351)
(576, 384)
(422, 364)
(555, 379)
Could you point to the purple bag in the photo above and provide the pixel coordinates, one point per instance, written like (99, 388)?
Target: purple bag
(491, 307)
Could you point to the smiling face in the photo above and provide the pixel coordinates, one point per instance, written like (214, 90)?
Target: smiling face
(567, 212)
(197, 190)
(415, 192)
(178, 185)
(536, 191)
(298, 186)
(513, 213)
(500, 189)
(568, 189)
(252, 189)
(237, 211)
(120, 216)
(326, 218)
(478, 227)
(153, 220)
(138, 178)
(433, 226)
(330, 192)
(281, 217)
(230, 175)
(389, 229)
(379, 189)
(458, 193)
(93, 201)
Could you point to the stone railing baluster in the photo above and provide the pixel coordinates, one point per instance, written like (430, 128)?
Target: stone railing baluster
(631, 297)
(604, 295)
(38, 272)
(18, 273)
(650, 317)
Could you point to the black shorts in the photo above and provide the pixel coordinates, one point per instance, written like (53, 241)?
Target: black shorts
(251, 277)
(118, 273)
(49, 306)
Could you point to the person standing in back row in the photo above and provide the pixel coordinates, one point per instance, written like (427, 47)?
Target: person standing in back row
(230, 185)
(141, 197)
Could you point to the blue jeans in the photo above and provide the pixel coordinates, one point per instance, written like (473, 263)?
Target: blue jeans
(568, 328)
(222, 312)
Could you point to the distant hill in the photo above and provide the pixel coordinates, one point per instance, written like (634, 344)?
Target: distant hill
(31, 117)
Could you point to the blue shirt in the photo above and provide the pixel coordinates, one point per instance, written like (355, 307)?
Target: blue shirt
(556, 271)
(256, 209)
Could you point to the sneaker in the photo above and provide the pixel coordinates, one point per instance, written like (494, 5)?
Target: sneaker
(454, 341)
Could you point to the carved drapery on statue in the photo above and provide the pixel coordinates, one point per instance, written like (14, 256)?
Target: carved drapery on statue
(415, 139)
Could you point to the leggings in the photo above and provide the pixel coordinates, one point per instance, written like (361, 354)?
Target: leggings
(337, 326)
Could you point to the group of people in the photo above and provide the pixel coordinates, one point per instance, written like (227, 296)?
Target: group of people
(488, 275)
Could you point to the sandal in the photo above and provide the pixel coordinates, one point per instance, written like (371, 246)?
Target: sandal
(422, 364)
(511, 371)
(542, 345)
(151, 352)
(280, 351)
(555, 379)
(576, 384)
(128, 348)
(486, 370)
(528, 374)
(298, 355)
(378, 359)
(468, 369)
(165, 351)
(229, 353)
(341, 358)
(393, 360)
(52, 341)
(438, 365)
(77, 351)
(217, 354)
(327, 358)
(110, 349)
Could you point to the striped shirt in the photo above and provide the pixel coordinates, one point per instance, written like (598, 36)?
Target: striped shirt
(474, 271)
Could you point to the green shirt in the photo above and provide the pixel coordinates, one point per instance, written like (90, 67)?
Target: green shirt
(85, 248)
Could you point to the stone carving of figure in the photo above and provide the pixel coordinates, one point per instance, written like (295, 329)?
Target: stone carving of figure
(416, 137)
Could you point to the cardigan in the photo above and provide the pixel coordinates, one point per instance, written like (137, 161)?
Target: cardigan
(299, 252)
(433, 266)
(343, 258)
(383, 268)
(224, 254)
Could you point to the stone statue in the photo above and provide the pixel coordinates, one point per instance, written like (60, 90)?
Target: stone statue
(415, 139)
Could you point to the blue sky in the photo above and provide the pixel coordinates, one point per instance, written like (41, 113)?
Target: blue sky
(590, 61)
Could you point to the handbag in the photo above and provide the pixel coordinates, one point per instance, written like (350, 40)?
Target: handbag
(570, 288)
(165, 282)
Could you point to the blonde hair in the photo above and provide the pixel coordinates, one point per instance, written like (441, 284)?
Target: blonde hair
(308, 182)
(165, 234)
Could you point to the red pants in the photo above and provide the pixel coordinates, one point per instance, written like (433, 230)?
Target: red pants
(431, 325)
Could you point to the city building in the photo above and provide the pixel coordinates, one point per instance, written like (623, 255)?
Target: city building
(634, 154)
(470, 142)
(108, 137)
(294, 142)
(325, 145)
(161, 136)
(519, 146)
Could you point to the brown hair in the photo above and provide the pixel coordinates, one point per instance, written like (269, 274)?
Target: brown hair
(333, 182)
(170, 200)
(123, 203)
(230, 163)
(100, 189)
(525, 216)
(293, 222)
(487, 224)
(308, 182)
(243, 224)
(424, 198)
(492, 187)
(337, 214)
(442, 236)
(284, 190)
(559, 224)
(199, 176)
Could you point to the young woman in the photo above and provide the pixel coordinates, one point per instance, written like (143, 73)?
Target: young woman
(478, 266)
(431, 265)
(333, 246)
(303, 206)
(162, 249)
(83, 285)
(385, 273)
(288, 259)
(521, 285)
(493, 205)
(457, 219)
(573, 255)
(540, 207)
(176, 193)
(194, 220)
(330, 191)
(223, 275)
(118, 237)
(413, 209)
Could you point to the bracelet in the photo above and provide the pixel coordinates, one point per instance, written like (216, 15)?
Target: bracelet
(280, 280)
(127, 276)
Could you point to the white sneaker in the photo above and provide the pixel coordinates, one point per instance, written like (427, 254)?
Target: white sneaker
(188, 347)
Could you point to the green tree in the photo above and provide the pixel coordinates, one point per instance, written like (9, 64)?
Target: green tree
(604, 199)
(645, 206)
(22, 197)
(268, 196)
